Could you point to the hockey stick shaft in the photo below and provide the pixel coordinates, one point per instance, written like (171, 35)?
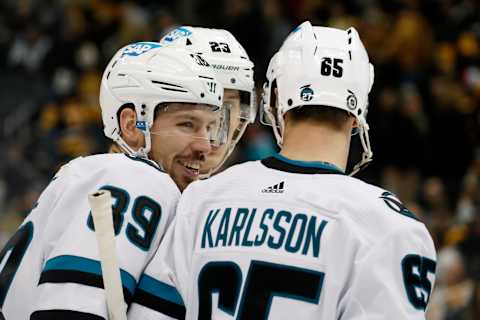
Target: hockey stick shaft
(101, 205)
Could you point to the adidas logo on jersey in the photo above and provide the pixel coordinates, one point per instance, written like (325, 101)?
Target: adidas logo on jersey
(277, 188)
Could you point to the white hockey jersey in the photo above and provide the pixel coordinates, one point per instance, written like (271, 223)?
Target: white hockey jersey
(283, 239)
(51, 264)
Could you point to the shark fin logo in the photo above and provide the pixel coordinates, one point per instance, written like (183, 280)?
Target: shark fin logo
(306, 93)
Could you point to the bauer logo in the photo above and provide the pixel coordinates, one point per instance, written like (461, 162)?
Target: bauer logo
(138, 48)
(176, 34)
(306, 93)
(351, 101)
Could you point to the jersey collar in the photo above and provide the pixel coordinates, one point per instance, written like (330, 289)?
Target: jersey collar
(149, 162)
(282, 163)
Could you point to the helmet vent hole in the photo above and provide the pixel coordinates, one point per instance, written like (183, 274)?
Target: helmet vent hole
(108, 74)
(202, 94)
(290, 102)
(233, 80)
(350, 54)
(349, 40)
(359, 111)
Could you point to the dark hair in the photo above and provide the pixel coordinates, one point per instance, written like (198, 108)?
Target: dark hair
(321, 114)
(159, 107)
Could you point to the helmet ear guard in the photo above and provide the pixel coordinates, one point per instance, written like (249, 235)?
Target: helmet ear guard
(319, 66)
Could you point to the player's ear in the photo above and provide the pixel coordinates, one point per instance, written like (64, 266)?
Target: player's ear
(128, 126)
(354, 122)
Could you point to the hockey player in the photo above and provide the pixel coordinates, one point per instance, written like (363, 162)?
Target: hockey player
(234, 71)
(293, 236)
(160, 106)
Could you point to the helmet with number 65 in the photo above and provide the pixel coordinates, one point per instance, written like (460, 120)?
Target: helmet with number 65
(320, 66)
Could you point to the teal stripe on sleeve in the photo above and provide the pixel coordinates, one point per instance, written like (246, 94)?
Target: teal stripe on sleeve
(160, 289)
(76, 263)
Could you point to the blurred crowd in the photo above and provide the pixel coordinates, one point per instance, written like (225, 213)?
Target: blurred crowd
(424, 107)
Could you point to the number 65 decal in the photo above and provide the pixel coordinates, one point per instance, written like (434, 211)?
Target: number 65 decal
(263, 282)
(415, 277)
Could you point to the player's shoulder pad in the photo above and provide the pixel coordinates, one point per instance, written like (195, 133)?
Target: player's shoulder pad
(121, 165)
(383, 205)
(114, 162)
(213, 186)
(224, 178)
(376, 212)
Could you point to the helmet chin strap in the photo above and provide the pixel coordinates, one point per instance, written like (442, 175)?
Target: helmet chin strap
(142, 152)
(367, 155)
(123, 145)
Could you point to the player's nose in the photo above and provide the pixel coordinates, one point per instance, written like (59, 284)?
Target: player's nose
(202, 146)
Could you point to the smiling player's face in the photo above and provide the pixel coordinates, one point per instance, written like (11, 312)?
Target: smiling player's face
(181, 140)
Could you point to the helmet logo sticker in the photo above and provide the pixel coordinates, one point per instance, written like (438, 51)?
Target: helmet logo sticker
(177, 33)
(142, 125)
(306, 93)
(351, 101)
(224, 67)
(138, 48)
(199, 60)
(219, 47)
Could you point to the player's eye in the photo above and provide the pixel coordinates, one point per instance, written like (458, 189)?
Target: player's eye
(186, 124)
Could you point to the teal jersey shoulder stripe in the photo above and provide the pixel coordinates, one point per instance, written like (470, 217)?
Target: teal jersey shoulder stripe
(160, 289)
(76, 263)
(309, 164)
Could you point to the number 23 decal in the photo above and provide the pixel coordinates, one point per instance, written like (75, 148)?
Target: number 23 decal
(219, 47)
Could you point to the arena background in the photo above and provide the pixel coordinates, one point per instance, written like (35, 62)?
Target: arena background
(424, 106)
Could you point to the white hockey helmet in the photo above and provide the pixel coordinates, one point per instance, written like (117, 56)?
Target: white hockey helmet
(145, 74)
(320, 66)
(232, 66)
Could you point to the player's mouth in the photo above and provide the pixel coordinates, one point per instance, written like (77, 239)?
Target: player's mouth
(192, 168)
